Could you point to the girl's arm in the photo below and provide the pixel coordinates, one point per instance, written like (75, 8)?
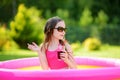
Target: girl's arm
(70, 61)
(41, 54)
(43, 60)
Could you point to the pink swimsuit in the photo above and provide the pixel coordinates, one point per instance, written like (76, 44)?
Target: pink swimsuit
(53, 61)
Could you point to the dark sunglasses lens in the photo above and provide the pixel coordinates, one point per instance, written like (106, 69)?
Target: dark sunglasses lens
(61, 29)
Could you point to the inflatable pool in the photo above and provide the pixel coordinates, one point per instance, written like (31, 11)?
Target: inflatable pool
(88, 69)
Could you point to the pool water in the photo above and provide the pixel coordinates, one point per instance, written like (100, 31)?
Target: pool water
(79, 67)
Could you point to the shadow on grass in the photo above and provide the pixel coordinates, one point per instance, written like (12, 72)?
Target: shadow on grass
(15, 54)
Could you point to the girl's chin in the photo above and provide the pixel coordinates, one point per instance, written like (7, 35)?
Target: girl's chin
(61, 38)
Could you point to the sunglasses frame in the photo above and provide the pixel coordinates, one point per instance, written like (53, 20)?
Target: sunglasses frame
(60, 29)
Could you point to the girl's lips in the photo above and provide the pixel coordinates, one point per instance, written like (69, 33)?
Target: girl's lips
(62, 35)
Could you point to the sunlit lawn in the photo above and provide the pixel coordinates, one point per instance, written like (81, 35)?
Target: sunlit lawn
(106, 51)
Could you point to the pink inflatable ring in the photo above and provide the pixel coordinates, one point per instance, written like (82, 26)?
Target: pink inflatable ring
(109, 70)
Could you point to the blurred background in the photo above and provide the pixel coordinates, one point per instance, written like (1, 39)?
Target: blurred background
(93, 26)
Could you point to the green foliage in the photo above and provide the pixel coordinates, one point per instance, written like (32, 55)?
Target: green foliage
(92, 44)
(86, 18)
(76, 46)
(48, 14)
(110, 34)
(100, 23)
(62, 13)
(6, 43)
(75, 7)
(10, 45)
(82, 27)
(27, 26)
(107, 32)
(3, 37)
(101, 19)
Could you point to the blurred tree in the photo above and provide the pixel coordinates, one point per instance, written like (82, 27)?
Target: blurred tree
(6, 42)
(100, 22)
(27, 26)
(110, 34)
(6, 10)
(86, 18)
(101, 19)
(64, 14)
(85, 22)
(3, 36)
(75, 8)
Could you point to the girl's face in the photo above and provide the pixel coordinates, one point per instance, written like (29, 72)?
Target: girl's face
(59, 30)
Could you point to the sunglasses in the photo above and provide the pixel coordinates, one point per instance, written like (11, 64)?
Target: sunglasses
(60, 29)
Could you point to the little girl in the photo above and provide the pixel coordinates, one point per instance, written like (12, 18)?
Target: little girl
(54, 52)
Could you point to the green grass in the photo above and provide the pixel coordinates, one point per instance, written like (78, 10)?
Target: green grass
(15, 54)
(106, 51)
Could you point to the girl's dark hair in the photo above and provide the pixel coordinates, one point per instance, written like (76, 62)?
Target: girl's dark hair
(48, 31)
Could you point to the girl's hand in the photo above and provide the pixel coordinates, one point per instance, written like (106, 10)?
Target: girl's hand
(33, 47)
(64, 56)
